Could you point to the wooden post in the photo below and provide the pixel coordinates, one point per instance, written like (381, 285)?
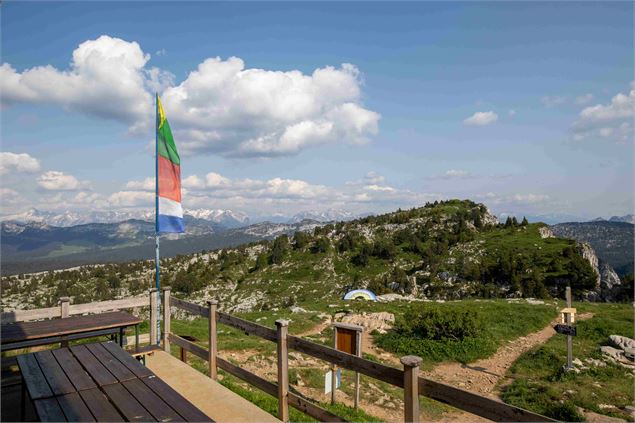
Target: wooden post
(358, 338)
(334, 369)
(567, 321)
(213, 346)
(283, 370)
(166, 319)
(154, 340)
(64, 305)
(183, 355)
(411, 387)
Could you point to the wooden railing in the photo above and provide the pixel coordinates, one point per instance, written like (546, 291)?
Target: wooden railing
(66, 309)
(407, 378)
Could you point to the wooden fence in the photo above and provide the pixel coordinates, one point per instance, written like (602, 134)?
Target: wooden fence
(407, 378)
(66, 309)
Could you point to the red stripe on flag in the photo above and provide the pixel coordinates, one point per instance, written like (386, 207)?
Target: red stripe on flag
(169, 180)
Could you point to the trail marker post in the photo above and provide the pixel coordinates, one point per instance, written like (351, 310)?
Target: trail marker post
(567, 328)
(346, 338)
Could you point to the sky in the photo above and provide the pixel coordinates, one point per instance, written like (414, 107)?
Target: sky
(279, 108)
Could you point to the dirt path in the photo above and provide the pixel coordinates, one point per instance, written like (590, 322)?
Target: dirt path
(482, 376)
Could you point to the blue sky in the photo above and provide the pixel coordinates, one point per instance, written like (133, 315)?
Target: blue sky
(527, 107)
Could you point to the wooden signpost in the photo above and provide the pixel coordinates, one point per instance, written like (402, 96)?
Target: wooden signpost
(346, 338)
(566, 328)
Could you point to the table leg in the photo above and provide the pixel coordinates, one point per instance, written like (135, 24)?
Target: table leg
(23, 401)
(136, 337)
(121, 337)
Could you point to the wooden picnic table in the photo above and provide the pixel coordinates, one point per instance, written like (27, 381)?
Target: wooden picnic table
(99, 382)
(27, 334)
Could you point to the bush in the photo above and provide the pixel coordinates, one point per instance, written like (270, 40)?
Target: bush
(439, 325)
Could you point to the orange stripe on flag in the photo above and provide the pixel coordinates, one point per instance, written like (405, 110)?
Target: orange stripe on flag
(169, 180)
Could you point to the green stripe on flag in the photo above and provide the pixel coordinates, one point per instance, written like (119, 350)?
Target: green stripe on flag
(167, 148)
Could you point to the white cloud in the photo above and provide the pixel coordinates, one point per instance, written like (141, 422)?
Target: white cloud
(59, 181)
(553, 100)
(611, 121)
(255, 112)
(511, 112)
(106, 79)
(10, 197)
(147, 184)
(131, 198)
(481, 119)
(221, 106)
(457, 174)
(12, 162)
(584, 99)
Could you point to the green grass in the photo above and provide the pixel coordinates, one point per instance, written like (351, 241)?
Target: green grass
(540, 384)
(501, 321)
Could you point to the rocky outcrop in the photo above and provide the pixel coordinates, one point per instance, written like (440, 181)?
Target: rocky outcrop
(608, 283)
(381, 322)
(545, 232)
(589, 255)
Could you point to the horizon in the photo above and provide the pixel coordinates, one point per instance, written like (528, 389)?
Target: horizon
(291, 108)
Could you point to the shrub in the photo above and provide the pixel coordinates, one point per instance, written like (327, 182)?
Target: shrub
(439, 325)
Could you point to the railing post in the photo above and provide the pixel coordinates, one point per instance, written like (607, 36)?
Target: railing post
(213, 346)
(411, 387)
(64, 306)
(166, 319)
(283, 370)
(153, 317)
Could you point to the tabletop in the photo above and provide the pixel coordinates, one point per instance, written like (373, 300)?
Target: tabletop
(100, 382)
(22, 331)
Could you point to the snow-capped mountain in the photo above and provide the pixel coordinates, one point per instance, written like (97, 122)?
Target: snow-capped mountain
(329, 215)
(228, 218)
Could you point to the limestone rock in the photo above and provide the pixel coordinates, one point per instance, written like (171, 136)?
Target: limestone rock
(380, 322)
(621, 342)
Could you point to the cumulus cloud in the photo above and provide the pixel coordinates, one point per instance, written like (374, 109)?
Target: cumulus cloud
(255, 112)
(222, 106)
(481, 119)
(147, 184)
(59, 181)
(611, 121)
(106, 78)
(131, 198)
(12, 162)
(10, 197)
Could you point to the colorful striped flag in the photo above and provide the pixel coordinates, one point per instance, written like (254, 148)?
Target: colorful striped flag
(168, 167)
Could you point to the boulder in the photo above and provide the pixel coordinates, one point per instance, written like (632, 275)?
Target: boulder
(621, 342)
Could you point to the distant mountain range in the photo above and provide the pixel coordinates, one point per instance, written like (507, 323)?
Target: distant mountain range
(629, 218)
(36, 246)
(226, 218)
(612, 240)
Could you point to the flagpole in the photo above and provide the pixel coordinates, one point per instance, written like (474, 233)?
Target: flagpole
(156, 215)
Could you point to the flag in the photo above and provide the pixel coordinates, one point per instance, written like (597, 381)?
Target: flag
(168, 167)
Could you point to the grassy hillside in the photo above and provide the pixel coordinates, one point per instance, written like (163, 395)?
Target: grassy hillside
(448, 250)
(539, 384)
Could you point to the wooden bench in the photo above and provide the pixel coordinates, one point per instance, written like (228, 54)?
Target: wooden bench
(140, 353)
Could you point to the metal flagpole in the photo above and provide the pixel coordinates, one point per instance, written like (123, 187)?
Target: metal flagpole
(156, 215)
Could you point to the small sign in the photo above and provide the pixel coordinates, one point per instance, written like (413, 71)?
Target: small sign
(328, 381)
(568, 310)
(565, 330)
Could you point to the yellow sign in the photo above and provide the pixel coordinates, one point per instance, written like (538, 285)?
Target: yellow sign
(568, 310)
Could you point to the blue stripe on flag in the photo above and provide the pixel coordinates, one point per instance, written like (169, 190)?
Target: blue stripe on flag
(170, 224)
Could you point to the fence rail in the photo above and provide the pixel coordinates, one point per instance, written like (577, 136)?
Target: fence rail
(66, 309)
(408, 378)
